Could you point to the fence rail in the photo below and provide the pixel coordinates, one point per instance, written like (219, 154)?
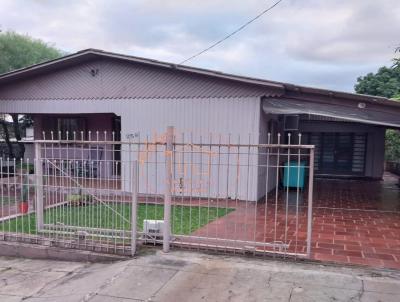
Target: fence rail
(210, 193)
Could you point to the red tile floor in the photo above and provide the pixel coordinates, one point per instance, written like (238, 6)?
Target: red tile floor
(357, 222)
(354, 222)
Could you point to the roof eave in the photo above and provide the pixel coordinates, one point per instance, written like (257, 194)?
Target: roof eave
(341, 95)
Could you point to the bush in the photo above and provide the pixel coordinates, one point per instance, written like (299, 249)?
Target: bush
(76, 200)
(392, 145)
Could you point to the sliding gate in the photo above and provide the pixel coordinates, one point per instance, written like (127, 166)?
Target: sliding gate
(217, 193)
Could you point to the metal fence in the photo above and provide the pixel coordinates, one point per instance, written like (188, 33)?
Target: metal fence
(176, 190)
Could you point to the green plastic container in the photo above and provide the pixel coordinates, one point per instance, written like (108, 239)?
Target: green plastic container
(294, 174)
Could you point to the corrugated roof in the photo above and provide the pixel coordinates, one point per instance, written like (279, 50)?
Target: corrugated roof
(120, 79)
(89, 54)
(148, 79)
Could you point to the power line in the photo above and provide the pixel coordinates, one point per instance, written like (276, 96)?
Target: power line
(232, 33)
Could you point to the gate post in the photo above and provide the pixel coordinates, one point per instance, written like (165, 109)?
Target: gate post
(310, 202)
(168, 188)
(135, 179)
(39, 186)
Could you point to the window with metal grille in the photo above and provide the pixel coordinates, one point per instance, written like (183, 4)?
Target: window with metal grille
(338, 152)
(71, 125)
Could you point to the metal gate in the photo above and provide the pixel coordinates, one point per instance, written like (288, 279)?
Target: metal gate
(179, 190)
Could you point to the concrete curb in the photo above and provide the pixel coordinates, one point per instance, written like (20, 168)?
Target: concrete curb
(32, 251)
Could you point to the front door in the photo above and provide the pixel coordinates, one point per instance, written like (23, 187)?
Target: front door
(338, 153)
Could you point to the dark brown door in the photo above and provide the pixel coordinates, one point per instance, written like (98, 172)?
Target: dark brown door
(338, 153)
(343, 152)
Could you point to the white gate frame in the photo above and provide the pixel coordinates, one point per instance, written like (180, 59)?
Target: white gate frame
(170, 149)
(135, 183)
(169, 166)
(39, 187)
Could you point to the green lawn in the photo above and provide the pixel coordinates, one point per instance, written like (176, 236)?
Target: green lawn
(185, 219)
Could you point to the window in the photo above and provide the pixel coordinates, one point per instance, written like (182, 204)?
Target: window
(71, 125)
(338, 153)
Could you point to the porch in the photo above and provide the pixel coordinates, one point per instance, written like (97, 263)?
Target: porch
(354, 222)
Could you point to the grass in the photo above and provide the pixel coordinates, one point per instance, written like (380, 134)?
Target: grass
(185, 219)
(25, 166)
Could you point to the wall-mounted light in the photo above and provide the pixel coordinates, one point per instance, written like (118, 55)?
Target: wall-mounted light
(362, 105)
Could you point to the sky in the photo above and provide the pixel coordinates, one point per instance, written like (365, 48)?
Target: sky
(320, 43)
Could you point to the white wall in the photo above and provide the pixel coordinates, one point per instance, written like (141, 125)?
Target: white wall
(199, 120)
(267, 171)
(222, 117)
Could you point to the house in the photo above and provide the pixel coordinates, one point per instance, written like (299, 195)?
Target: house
(94, 90)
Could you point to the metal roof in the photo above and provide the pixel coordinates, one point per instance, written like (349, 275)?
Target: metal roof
(375, 115)
(88, 54)
(170, 80)
(119, 76)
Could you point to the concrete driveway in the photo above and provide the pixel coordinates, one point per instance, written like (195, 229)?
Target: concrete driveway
(188, 276)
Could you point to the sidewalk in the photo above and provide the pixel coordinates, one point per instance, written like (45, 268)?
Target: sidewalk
(188, 276)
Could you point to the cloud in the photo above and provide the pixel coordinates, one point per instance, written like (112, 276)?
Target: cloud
(317, 43)
(363, 31)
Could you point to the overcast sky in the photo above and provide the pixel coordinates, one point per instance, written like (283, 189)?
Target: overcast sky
(323, 43)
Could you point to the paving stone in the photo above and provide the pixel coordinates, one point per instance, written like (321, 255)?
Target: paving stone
(190, 276)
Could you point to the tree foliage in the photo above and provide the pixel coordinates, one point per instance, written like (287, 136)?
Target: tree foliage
(392, 145)
(19, 51)
(396, 61)
(385, 82)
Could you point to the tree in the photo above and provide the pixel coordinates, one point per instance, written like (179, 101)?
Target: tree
(392, 145)
(19, 51)
(385, 82)
(396, 61)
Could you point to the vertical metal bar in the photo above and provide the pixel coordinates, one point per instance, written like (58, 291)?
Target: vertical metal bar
(276, 191)
(16, 196)
(156, 190)
(39, 187)
(2, 197)
(310, 201)
(182, 181)
(287, 178)
(168, 188)
(227, 186)
(146, 160)
(298, 193)
(266, 191)
(134, 180)
(191, 181)
(8, 191)
(209, 167)
(28, 194)
(218, 185)
(174, 225)
(237, 183)
(200, 187)
(246, 237)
